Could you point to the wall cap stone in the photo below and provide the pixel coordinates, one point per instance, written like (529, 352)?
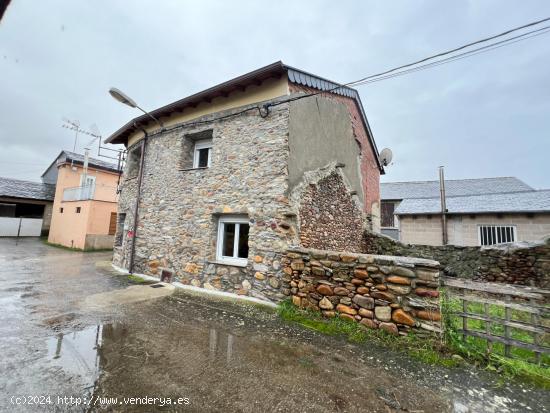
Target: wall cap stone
(378, 259)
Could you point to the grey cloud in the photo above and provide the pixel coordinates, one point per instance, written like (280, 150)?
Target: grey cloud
(484, 116)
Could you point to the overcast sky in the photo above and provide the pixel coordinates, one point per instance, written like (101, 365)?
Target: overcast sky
(485, 116)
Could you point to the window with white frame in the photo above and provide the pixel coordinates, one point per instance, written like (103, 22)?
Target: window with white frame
(202, 153)
(496, 234)
(87, 186)
(232, 245)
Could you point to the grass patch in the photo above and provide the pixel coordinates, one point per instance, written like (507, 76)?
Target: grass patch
(428, 350)
(137, 280)
(63, 247)
(521, 365)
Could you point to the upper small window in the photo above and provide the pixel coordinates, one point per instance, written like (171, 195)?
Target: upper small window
(134, 159)
(233, 240)
(78, 209)
(60, 210)
(202, 155)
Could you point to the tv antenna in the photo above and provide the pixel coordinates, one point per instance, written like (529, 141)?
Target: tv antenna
(75, 126)
(72, 125)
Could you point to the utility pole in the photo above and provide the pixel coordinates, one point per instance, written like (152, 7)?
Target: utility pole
(443, 205)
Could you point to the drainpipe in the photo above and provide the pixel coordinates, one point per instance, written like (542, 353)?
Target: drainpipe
(138, 196)
(443, 205)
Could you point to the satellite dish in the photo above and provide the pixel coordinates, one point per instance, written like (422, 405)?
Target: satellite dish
(386, 155)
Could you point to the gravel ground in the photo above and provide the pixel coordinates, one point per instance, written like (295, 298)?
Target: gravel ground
(211, 354)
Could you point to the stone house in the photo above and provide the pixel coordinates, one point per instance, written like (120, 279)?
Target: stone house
(240, 172)
(480, 212)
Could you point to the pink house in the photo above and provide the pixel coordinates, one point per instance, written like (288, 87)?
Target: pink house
(85, 202)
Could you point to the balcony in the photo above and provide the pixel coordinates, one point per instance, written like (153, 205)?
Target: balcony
(90, 192)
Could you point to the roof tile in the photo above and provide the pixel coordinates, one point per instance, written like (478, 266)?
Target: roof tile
(15, 188)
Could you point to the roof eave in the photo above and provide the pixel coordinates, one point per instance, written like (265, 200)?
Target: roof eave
(271, 69)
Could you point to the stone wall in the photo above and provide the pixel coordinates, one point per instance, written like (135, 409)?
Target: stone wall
(519, 263)
(180, 207)
(395, 294)
(98, 241)
(329, 216)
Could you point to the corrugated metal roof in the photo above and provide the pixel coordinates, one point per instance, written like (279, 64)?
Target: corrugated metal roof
(67, 156)
(532, 201)
(306, 79)
(93, 162)
(15, 188)
(453, 187)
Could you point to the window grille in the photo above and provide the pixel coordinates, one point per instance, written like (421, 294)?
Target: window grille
(496, 234)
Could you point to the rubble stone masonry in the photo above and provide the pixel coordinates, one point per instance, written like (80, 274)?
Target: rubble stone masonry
(395, 294)
(179, 208)
(329, 217)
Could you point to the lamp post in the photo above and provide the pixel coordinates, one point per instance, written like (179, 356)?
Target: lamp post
(124, 98)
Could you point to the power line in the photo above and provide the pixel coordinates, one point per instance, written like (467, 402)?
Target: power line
(460, 56)
(456, 49)
(389, 71)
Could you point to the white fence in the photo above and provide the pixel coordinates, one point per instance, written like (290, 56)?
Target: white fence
(22, 227)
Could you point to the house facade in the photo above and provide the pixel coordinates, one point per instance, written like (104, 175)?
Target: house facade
(85, 203)
(480, 212)
(239, 173)
(25, 207)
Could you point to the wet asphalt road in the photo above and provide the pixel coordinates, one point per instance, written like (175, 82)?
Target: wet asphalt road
(205, 354)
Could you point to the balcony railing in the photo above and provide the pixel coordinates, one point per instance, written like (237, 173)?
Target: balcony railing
(90, 192)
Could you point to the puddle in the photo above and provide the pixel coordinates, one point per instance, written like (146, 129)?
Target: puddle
(77, 352)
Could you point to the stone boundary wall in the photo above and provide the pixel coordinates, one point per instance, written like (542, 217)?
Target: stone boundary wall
(395, 294)
(525, 263)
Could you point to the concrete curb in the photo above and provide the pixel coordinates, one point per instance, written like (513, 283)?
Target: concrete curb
(203, 291)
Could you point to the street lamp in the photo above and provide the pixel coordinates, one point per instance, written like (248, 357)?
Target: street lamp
(123, 98)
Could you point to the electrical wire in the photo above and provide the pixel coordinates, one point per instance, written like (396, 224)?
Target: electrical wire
(465, 54)
(461, 56)
(456, 49)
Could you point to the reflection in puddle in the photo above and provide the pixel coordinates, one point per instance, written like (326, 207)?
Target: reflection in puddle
(77, 352)
(216, 345)
(80, 353)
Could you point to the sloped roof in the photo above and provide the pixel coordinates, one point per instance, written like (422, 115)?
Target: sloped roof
(15, 188)
(453, 187)
(274, 70)
(67, 156)
(98, 163)
(514, 202)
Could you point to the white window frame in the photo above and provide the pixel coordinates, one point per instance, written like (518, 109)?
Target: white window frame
(480, 226)
(235, 259)
(202, 144)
